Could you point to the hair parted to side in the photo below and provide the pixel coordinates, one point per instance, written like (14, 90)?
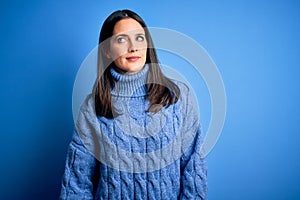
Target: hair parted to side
(161, 91)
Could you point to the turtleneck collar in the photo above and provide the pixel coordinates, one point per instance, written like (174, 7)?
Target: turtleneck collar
(130, 85)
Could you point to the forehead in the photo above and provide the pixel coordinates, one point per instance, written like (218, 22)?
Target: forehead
(127, 25)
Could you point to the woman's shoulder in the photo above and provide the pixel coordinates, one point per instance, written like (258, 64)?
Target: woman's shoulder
(184, 88)
(188, 98)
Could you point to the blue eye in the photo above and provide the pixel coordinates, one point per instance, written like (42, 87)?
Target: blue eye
(140, 38)
(120, 40)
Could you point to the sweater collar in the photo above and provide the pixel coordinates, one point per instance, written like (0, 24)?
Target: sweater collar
(130, 85)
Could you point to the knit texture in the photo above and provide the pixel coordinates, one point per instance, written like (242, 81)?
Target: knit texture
(133, 155)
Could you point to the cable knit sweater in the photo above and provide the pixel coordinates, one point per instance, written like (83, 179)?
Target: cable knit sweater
(137, 154)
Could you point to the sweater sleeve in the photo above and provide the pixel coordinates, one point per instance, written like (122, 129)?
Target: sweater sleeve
(80, 173)
(193, 167)
(193, 172)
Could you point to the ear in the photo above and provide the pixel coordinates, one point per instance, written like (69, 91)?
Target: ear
(106, 52)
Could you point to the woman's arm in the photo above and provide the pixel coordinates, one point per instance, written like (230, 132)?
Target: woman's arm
(81, 172)
(193, 172)
(193, 180)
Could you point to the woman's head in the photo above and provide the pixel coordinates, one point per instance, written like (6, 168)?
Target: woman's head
(128, 46)
(125, 43)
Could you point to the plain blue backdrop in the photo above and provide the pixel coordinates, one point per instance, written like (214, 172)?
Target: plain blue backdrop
(255, 45)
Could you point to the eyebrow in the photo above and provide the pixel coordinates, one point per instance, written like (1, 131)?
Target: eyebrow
(123, 34)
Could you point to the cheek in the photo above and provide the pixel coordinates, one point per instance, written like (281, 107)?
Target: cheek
(117, 51)
(145, 53)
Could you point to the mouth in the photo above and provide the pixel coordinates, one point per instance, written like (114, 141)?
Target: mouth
(132, 58)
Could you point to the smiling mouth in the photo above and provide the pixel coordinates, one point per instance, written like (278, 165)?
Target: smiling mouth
(133, 58)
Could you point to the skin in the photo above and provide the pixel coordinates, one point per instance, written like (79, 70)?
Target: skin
(128, 46)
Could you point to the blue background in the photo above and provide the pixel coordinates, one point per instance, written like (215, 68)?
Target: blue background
(255, 45)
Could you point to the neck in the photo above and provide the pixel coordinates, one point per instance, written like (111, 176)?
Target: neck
(129, 85)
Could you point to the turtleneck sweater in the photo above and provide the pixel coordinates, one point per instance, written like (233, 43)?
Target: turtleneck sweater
(136, 154)
(130, 85)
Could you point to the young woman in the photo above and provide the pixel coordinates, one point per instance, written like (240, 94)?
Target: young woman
(137, 135)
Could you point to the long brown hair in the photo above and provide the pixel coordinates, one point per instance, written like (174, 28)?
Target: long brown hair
(161, 91)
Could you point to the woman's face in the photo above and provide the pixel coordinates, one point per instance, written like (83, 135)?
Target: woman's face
(128, 46)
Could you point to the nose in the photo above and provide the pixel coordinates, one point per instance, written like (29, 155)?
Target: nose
(132, 46)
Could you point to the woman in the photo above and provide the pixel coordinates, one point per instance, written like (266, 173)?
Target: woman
(137, 135)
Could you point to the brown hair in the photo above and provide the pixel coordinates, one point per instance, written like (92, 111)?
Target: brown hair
(161, 91)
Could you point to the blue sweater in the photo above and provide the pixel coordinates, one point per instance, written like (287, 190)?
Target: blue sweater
(137, 154)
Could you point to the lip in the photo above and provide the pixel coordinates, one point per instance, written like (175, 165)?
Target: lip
(133, 58)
